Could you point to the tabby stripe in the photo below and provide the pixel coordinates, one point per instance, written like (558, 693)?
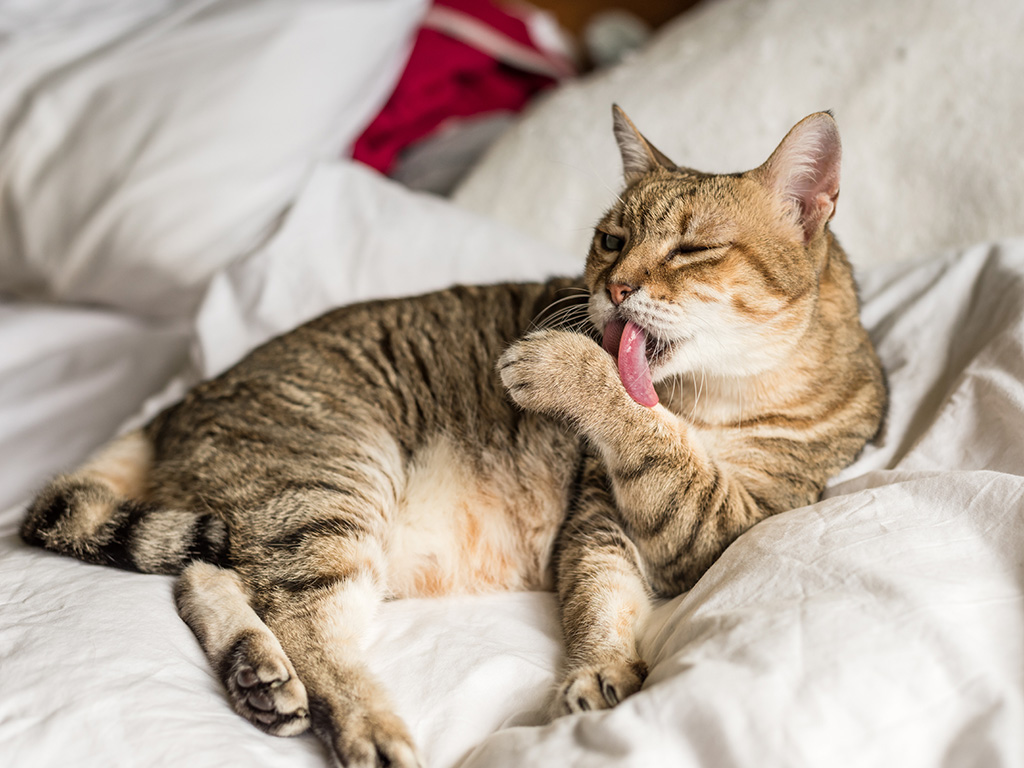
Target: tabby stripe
(708, 510)
(318, 485)
(784, 446)
(521, 313)
(386, 347)
(779, 420)
(687, 219)
(576, 489)
(117, 551)
(647, 464)
(704, 512)
(767, 276)
(710, 491)
(357, 361)
(593, 541)
(378, 372)
(318, 582)
(201, 544)
(669, 511)
(421, 364)
(325, 527)
(56, 511)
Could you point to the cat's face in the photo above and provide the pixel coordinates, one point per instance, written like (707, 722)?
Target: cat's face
(719, 272)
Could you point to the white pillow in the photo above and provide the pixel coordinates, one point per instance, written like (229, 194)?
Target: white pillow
(146, 145)
(928, 96)
(354, 235)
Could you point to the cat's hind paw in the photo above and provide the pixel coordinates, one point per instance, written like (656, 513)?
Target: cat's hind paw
(264, 688)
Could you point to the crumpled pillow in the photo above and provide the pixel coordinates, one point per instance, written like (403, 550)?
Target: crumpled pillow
(144, 145)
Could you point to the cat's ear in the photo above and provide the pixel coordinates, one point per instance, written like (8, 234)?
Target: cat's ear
(804, 171)
(639, 156)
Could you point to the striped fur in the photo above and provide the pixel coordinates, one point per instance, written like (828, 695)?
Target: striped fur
(478, 439)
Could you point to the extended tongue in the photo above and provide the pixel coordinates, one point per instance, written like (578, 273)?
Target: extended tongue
(628, 342)
(612, 336)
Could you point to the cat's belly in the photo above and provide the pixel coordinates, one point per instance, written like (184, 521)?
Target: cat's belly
(469, 525)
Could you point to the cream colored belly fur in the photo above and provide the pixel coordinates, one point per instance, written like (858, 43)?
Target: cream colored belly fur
(465, 526)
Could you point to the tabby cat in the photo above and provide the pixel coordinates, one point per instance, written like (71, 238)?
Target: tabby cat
(455, 442)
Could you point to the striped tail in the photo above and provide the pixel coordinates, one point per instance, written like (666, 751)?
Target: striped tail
(95, 514)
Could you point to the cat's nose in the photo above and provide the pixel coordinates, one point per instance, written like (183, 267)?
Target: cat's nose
(619, 292)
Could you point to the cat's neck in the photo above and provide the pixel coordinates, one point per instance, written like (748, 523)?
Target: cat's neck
(709, 400)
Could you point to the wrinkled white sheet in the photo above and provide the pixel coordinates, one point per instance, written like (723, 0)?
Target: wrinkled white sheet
(882, 626)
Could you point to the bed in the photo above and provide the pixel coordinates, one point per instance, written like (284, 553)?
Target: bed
(883, 625)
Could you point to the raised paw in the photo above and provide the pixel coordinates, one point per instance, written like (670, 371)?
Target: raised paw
(556, 372)
(364, 738)
(599, 686)
(264, 687)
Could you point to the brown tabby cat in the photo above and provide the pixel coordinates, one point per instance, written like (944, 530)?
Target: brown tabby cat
(415, 447)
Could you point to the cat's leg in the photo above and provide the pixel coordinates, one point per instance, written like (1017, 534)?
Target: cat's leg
(603, 600)
(317, 582)
(322, 626)
(260, 680)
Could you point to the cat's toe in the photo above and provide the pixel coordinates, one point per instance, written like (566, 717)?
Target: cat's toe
(266, 691)
(599, 686)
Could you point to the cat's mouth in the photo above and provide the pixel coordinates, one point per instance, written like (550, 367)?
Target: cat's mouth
(635, 350)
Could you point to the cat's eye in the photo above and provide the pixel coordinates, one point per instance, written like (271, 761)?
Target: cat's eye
(686, 250)
(611, 242)
(696, 251)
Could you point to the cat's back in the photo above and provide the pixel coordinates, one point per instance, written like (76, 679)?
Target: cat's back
(438, 348)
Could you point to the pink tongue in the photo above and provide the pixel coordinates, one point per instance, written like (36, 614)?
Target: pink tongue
(628, 343)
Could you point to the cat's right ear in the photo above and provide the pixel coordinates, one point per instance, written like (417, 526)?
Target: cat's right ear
(804, 171)
(639, 156)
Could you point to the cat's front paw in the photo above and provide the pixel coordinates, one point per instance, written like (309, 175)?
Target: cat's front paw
(558, 373)
(362, 737)
(599, 686)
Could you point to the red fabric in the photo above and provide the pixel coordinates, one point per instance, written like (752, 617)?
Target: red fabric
(448, 78)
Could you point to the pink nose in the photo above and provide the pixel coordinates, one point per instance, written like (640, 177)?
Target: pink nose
(619, 292)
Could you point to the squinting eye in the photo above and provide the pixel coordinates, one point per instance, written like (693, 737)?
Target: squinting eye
(611, 242)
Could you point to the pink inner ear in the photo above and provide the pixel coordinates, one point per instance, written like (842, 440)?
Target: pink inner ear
(805, 169)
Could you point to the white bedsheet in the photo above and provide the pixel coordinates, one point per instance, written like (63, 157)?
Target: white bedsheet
(881, 626)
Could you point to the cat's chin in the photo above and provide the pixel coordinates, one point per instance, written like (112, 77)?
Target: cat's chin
(666, 358)
(672, 362)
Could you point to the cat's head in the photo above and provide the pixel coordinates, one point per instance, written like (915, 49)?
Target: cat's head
(715, 273)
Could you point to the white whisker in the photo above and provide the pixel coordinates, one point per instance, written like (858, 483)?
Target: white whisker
(696, 400)
(564, 316)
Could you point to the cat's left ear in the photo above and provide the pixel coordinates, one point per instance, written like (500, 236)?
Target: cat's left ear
(639, 156)
(804, 170)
